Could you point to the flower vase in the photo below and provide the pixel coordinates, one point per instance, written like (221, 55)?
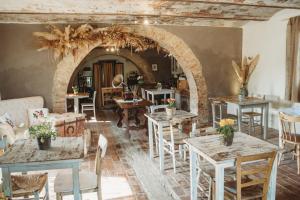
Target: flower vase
(227, 140)
(170, 111)
(44, 143)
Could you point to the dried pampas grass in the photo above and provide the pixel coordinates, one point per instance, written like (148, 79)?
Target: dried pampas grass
(69, 40)
(244, 71)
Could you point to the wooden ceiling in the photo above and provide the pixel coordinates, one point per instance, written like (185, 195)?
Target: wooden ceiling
(158, 12)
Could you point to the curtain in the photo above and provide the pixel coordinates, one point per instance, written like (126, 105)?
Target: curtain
(292, 61)
(97, 83)
(119, 68)
(107, 74)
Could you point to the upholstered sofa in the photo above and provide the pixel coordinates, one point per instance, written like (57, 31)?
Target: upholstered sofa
(18, 111)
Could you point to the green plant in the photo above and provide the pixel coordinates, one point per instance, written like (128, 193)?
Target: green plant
(171, 103)
(42, 131)
(226, 128)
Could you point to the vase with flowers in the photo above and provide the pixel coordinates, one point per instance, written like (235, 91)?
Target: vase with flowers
(171, 109)
(244, 73)
(75, 89)
(43, 132)
(227, 131)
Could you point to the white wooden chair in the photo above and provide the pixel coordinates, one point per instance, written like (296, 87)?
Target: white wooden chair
(88, 181)
(90, 106)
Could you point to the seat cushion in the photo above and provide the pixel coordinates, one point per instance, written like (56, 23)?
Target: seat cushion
(63, 181)
(6, 129)
(27, 184)
(252, 114)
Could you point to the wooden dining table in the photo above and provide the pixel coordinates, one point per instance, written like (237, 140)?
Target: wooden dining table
(76, 98)
(24, 156)
(248, 102)
(211, 149)
(127, 107)
(161, 119)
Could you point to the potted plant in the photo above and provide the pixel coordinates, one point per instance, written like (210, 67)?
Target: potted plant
(227, 131)
(75, 89)
(43, 133)
(171, 109)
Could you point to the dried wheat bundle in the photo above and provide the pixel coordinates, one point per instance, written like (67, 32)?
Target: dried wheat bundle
(244, 71)
(69, 40)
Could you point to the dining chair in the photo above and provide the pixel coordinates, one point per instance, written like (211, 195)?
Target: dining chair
(252, 177)
(290, 135)
(88, 181)
(254, 117)
(90, 106)
(218, 110)
(29, 185)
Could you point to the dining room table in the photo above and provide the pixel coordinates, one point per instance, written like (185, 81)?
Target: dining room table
(211, 149)
(242, 104)
(126, 108)
(76, 98)
(154, 92)
(161, 119)
(24, 156)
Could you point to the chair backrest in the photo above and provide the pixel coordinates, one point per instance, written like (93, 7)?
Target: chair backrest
(94, 97)
(156, 108)
(143, 93)
(101, 151)
(256, 166)
(288, 126)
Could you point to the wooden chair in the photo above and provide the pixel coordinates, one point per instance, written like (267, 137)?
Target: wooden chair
(220, 106)
(252, 177)
(88, 181)
(90, 106)
(28, 185)
(290, 135)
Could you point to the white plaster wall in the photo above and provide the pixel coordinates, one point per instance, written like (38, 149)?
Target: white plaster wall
(269, 40)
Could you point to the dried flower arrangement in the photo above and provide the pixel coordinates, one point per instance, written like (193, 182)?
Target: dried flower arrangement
(69, 40)
(245, 71)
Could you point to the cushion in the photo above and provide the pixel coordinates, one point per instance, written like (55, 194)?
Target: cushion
(6, 129)
(37, 115)
(6, 118)
(63, 181)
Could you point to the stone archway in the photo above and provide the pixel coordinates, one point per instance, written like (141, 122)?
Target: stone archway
(142, 65)
(176, 46)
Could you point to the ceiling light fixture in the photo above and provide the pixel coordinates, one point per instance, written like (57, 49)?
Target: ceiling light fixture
(146, 21)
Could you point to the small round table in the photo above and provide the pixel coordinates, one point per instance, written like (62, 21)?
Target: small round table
(76, 98)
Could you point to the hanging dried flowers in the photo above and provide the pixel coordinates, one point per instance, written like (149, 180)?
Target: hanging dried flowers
(69, 40)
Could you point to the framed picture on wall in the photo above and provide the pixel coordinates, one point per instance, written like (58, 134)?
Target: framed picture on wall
(154, 67)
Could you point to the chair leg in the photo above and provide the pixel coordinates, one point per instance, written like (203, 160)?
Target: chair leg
(298, 158)
(99, 195)
(36, 196)
(94, 112)
(249, 126)
(47, 190)
(59, 196)
(173, 158)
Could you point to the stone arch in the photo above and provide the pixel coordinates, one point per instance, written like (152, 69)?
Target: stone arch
(177, 47)
(142, 65)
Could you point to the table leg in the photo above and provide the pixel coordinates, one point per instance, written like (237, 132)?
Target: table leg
(6, 182)
(120, 113)
(213, 109)
(266, 120)
(272, 184)
(126, 121)
(193, 175)
(165, 97)
(150, 134)
(194, 124)
(76, 105)
(240, 118)
(76, 186)
(148, 96)
(280, 134)
(161, 148)
(219, 193)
